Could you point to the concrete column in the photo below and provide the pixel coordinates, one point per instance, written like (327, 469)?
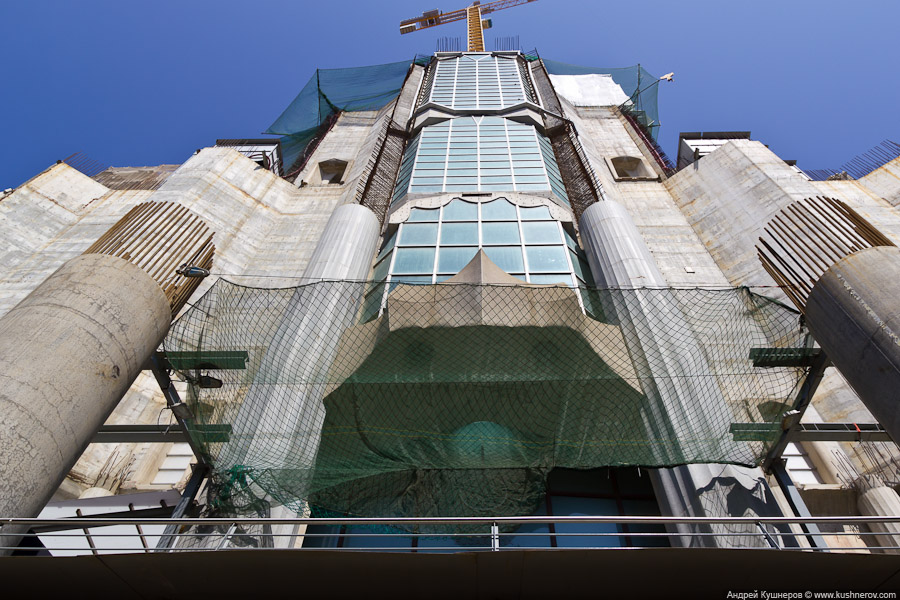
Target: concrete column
(281, 417)
(347, 246)
(853, 312)
(878, 500)
(619, 258)
(68, 352)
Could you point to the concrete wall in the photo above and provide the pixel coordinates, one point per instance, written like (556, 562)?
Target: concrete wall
(680, 255)
(730, 195)
(885, 182)
(266, 231)
(49, 219)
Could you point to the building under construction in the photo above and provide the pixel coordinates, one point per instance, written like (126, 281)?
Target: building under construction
(462, 316)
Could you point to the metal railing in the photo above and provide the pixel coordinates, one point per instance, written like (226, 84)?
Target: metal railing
(87, 535)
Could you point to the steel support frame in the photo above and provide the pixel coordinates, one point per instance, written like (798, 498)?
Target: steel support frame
(200, 471)
(140, 434)
(804, 397)
(813, 534)
(775, 465)
(160, 368)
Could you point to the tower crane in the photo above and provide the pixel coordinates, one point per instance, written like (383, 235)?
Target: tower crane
(473, 14)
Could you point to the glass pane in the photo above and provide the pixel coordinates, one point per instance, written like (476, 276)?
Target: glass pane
(361, 537)
(315, 536)
(423, 214)
(521, 172)
(508, 258)
(535, 213)
(491, 170)
(372, 303)
(458, 210)
(414, 260)
(573, 506)
(582, 270)
(420, 180)
(451, 260)
(387, 247)
(552, 279)
(530, 179)
(459, 233)
(541, 232)
(523, 536)
(453, 182)
(381, 269)
(498, 210)
(547, 258)
(419, 234)
(500, 233)
(458, 172)
(442, 544)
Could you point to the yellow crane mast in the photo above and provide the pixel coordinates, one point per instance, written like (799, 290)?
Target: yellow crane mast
(474, 14)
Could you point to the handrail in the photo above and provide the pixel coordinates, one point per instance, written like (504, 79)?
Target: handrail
(87, 535)
(87, 521)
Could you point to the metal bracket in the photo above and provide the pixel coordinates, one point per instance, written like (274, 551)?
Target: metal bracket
(136, 434)
(160, 370)
(811, 432)
(813, 378)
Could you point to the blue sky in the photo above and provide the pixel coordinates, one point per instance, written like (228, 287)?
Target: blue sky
(144, 83)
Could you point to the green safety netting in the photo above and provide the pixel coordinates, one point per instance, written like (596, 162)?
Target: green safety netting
(332, 90)
(459, 399)
(371, 87)
(637, 83)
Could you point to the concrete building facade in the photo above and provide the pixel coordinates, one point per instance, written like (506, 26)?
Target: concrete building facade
(547, 178)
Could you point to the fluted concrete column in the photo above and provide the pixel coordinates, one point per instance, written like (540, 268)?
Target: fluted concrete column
(619, 258)
(281, 417)
(878, 500)
(68, 353)
(347, 246)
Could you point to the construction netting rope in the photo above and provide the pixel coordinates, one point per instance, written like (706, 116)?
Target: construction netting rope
(457, 399)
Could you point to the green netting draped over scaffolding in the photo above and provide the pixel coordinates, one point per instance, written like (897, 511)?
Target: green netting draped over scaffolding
(333, 90)
(637, 83)
(330, 91)
(458, 399)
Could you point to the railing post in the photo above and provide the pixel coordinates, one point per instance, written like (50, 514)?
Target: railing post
(495, 537)
(168, 538)
(227, 536)
(769, 537)
(87, 535)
